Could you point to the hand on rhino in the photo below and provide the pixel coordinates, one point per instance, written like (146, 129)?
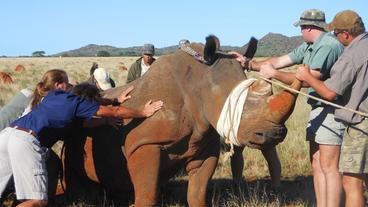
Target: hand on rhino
(240, 58)
(151, 107)
(124, 95)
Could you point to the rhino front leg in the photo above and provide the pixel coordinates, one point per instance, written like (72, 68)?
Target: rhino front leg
(143, 166)
(200, 176)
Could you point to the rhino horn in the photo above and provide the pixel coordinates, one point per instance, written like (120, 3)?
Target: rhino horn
(281, 105)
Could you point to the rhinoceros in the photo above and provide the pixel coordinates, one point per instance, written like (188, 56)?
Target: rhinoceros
(184, 133)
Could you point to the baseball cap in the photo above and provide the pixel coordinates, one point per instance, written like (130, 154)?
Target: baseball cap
(103, 78)
(346, 19)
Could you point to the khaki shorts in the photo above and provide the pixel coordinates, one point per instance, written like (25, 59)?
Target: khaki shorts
(354, 150)
(323, 128)
(22, 156)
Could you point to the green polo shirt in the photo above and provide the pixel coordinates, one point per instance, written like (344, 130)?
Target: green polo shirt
(320, 55)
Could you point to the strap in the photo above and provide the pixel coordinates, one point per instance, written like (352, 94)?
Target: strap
(184, 46)
(314, 20)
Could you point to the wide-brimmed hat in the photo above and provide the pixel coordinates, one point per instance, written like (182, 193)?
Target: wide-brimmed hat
(346, 19)
(313, 17)
(103, 78)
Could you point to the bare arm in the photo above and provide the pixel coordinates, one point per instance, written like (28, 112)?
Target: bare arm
(269, 68)
(304, 74)
(315, 73)
(121, 99)
(275, 62)
(268, 71)
(124, 112)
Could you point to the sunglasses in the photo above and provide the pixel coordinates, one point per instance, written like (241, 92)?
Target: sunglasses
(337, 32)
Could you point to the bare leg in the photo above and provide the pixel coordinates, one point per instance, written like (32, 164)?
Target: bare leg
(329, 160)
(319, 180)
(353, 186)
(274, 165)
(33, 203)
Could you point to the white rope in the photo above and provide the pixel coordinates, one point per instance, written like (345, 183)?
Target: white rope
(229, 120)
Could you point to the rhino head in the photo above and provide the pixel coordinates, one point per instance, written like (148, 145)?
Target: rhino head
(264, 113)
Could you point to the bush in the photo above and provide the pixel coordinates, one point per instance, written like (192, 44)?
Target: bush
(38, 54)
(103, 53)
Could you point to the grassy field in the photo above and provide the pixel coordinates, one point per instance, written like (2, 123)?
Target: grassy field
(77, 69)
(296, 188)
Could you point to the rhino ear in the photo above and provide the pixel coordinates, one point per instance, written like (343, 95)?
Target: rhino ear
(212, 45)
(251, 48)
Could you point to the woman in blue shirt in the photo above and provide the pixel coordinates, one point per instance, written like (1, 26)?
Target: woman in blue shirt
(21, 154)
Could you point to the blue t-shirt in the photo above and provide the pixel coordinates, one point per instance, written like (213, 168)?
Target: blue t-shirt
(57, 109)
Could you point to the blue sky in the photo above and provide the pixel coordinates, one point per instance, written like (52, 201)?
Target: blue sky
(59, 25)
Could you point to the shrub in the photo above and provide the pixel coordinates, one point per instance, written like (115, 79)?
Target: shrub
(103, 53)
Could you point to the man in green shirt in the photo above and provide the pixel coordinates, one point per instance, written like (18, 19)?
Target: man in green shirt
(320, 50)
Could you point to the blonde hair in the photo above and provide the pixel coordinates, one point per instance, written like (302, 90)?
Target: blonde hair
(49, 79)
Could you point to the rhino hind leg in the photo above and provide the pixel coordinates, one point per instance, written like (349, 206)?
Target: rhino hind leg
(144, 167)
(200, 173)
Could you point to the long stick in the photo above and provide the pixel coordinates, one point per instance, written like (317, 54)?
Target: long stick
(313, 97)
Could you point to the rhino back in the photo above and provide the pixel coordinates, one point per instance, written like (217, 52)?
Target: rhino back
(168, 80)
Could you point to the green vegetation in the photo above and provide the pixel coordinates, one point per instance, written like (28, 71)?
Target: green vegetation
(38, 54)
(103, 53)
(127, 53)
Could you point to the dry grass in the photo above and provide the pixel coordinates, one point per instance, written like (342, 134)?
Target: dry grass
(293, 152)
(77, 69)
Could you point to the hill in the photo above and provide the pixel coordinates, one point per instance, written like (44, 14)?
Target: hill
(271, 44)
(274, 44)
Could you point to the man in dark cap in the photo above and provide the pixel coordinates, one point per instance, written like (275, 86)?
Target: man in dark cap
(349, 84)
(142, 65)
(320, 50)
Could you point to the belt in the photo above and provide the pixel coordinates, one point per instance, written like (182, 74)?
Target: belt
(29, 131)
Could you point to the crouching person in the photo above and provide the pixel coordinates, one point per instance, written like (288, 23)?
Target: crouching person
(21, 154)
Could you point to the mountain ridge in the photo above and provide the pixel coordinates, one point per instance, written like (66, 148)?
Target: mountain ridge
(272, 44)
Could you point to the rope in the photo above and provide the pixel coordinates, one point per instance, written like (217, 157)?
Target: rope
(229, 120)
(231, 113)
(313, 97)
